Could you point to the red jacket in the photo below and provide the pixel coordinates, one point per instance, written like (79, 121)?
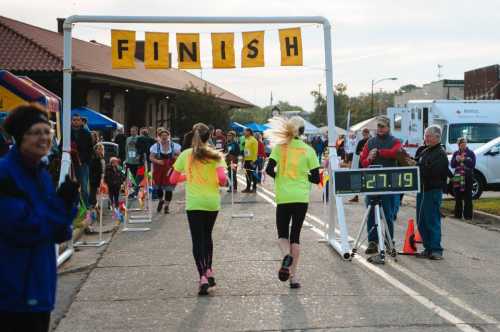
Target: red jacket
(261, 152)
(383, 153)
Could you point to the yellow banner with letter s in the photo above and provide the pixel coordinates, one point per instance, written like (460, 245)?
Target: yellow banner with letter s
(252, 53)
(122, 49)
(223, 50)
(188, 50)
(291, 47)
(156, 51)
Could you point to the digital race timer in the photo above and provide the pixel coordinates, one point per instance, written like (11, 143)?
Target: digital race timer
(390, 180)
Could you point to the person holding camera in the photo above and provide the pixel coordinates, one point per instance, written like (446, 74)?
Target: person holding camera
(380, 150)
(34, 218)
(463, 161)
(433, 163)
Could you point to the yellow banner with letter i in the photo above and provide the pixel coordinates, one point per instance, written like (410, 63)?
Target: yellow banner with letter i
(291, 47)
(188, 50)
(156, 51)
(122, 49)
(252, 53)
(223, 50)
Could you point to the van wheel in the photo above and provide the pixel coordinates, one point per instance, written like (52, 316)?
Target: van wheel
(477, 185)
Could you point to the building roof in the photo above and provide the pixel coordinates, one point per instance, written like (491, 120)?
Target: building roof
(29, 48)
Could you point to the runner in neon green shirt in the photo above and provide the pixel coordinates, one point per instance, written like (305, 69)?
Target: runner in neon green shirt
(294, 166)
(249, 158)
(204, 170)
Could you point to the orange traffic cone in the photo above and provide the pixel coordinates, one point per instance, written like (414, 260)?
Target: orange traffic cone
(409, 247)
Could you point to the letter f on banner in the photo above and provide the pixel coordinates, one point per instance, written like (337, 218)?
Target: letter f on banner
(188, 50)
(291, 47)
(122, 49)
(252, 53)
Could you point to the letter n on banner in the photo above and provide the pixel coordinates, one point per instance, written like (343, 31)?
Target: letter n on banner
(122, 49)
(156, 51)
(223, 50)
(252, 53)
(291, 47)
(188, 50)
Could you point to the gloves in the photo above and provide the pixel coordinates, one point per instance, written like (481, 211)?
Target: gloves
(68, 191)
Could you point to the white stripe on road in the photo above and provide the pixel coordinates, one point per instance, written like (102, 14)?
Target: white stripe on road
(443, 313)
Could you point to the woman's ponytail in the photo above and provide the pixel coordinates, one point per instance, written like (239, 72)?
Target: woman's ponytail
(201, 151)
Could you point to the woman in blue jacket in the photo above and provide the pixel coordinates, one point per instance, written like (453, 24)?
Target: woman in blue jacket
(34, 218)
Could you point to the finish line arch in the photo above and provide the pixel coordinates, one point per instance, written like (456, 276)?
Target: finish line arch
(336, 215)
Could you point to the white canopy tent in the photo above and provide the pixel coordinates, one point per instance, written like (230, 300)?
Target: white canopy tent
(370, 123)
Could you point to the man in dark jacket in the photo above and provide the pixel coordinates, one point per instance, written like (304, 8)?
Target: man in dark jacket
(433, 164)
(121, 140)
(81, 138)
(144, 143)
(359, 148)
(380, 150)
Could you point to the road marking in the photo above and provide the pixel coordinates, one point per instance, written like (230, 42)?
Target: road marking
(443, 313)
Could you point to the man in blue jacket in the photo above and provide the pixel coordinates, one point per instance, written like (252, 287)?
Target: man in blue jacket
(34, 218)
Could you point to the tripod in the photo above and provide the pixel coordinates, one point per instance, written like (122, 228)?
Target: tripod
(384, 237)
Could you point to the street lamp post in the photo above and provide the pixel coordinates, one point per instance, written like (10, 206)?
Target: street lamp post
(378, 81)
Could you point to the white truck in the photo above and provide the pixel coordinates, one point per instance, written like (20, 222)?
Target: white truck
(477, 120)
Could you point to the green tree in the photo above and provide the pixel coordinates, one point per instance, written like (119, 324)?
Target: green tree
(194, 105)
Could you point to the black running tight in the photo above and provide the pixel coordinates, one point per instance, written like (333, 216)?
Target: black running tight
(201, 224)
(296, 212)
(167, 196)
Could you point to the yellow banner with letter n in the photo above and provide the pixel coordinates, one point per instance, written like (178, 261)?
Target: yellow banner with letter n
(252, 53)
(122, 49)
(188, 50)
(291, 47)
(156, 51)
(223, 50)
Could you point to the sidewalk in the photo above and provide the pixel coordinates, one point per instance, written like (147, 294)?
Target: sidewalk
(148, 282)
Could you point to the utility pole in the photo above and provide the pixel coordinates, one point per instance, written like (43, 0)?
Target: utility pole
(439, 72)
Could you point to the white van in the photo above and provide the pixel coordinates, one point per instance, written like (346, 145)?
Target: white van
(477, 120)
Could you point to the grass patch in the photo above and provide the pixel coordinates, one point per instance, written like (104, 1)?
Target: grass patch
(488, 205)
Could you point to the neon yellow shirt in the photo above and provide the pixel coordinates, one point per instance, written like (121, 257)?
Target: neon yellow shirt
(293, 162)
(202, 185)
(251, 148)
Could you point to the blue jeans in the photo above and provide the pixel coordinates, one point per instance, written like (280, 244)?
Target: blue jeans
(387, 202)
(429, 219)
(82, 174)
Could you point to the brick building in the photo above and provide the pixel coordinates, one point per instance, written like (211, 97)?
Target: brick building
(130, 96)
(482, 83)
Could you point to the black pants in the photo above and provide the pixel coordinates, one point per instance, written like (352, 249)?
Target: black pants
(201, 225)
(463, 200)
(114, 196)
(232, 174)
(250, 175)
(295, 212)
(93, 193)
(24, 321)
(167, 196)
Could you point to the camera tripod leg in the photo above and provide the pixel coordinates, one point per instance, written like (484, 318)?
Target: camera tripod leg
(391, 244)
(360, 232)
(381, 233)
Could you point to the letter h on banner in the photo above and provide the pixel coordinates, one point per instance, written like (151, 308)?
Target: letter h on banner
(291, 47)
(123, 49)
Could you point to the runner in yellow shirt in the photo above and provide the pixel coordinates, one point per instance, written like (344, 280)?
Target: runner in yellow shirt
(294, 166)
(249, 161)
(204, 170)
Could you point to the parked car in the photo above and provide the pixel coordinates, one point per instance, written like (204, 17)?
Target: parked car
(487, 171)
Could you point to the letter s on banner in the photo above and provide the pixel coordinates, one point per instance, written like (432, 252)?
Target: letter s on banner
(252, 53)
(188, 50)
(223, 50)
(122, 49)
(156, 51)
(291, 47)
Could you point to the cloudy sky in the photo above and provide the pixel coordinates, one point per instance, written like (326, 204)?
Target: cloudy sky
(371, 39)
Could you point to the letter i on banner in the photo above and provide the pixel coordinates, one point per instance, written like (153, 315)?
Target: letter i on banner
(156, 51)
(122, 49)
(291, 47)
(252, 53)
(223, 50)
(188, 50)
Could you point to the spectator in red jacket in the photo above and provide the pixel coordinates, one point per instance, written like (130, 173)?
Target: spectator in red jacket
(261, 156)
(381, 150)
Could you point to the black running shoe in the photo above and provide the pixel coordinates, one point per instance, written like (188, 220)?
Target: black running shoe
(211, 282)
(284, 272)
(166, 210)
(160, 205)
(203, 286)
(372, 248)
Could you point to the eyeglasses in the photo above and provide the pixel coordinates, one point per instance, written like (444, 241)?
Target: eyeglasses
(39, 133)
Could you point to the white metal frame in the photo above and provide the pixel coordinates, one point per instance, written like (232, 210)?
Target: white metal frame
(336, 208)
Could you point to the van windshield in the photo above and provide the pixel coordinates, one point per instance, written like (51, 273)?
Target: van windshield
(474, 132)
